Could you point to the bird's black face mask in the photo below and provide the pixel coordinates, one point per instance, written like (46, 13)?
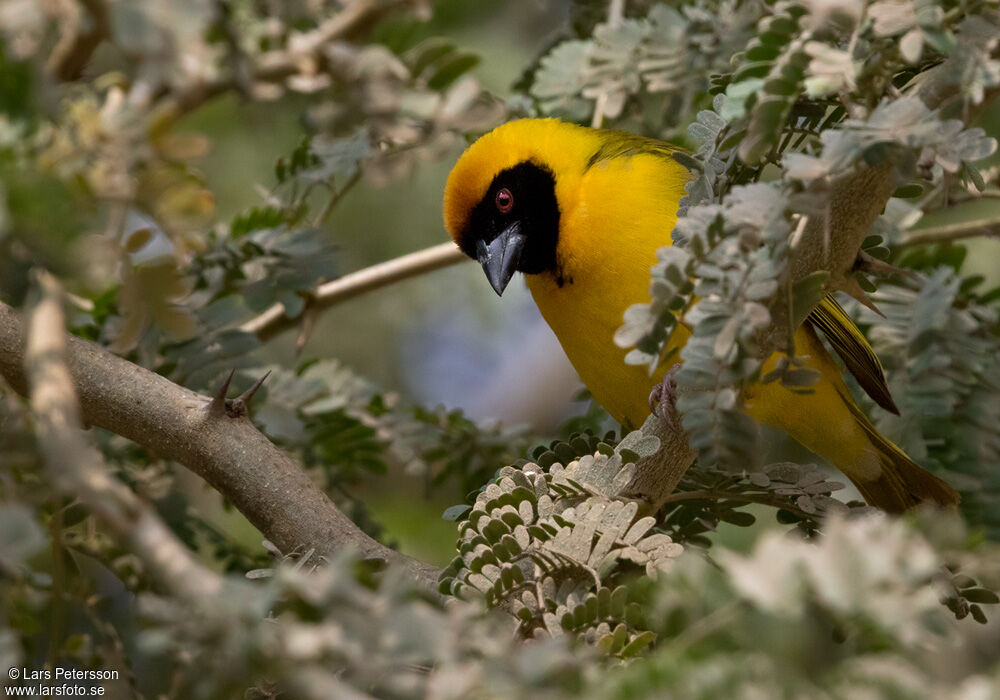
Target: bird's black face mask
(515, 226)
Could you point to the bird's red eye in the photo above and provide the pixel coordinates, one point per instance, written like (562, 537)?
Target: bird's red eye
(504, 200)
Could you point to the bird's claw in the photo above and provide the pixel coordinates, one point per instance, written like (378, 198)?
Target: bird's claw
(663, 397)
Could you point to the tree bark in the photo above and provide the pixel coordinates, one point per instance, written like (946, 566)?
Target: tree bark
(264, 483)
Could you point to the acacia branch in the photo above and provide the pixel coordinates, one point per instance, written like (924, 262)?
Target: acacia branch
(274, 320)
(616, 13)
(264, 483)
(830, 243)
(77, 469)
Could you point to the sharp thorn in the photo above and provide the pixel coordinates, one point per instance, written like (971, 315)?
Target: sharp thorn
(871, 265)
(218, 405)
(852, 287)
(241, 402)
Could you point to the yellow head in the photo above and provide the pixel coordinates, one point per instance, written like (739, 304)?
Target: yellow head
(504, 197)
(546, 197)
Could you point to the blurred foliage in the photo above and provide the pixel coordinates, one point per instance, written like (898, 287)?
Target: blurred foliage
(102, 180)
(941, 338)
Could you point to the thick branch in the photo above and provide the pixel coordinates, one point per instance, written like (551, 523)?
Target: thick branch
(657, 476)
(77, 468)
(268, 487)
(274, 320)
(831, 241)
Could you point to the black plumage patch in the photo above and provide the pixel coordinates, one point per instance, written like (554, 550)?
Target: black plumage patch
(533, 189)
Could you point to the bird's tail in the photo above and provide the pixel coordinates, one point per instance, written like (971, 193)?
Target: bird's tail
(902, 483)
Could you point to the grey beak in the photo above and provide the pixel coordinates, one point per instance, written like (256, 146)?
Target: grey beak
(500, 257)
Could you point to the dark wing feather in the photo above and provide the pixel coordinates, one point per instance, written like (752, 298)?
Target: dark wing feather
(847, 341)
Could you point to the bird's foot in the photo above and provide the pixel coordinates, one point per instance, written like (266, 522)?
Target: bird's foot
(663, 397)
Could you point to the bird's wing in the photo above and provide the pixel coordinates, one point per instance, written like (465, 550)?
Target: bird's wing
(852, 346)
(622, 144)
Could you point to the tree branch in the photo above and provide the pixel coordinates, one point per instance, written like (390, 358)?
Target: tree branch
(274, 321)
(81, 34)
(987, 228)
(76, 467)
(828, 243)
(616, 13)
(267, 486)
(303, 50)
(657, 476)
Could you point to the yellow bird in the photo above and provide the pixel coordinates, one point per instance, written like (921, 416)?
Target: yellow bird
(581, 212)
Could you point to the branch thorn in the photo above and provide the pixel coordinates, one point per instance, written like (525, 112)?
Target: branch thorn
(871, 265)
(242, 402)
(851, 287)
(218, 405)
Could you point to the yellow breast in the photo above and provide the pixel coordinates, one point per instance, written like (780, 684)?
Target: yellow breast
(613, 218)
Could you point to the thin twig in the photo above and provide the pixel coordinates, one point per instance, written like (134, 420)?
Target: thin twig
(699, 495)
(714, 495)
(274, 320)
(988, 228)
(335, 198)
(616, 13)
(276, 65)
